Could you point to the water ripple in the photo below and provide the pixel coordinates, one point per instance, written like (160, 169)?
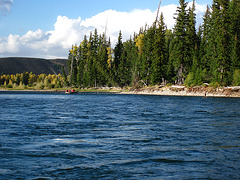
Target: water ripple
(109, 136)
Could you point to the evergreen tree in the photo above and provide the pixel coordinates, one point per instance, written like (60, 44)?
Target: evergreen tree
(225, 61)
(18, 79)
(118, 51)
(103, 61)
(137, 51)
(194, 41)
(180, 49)
(135, 57)
(219, 41)
(85, 54)
(205, 50)
(147, 55)
(110, 66)
(169, 56)
(25, 77)
(132, 61)
(235, 34)
(94, 56)
(125, 64)
(191, 37)
(72, 59)
(64, 77)
(90, 62)
(80, 66)
(159, 53)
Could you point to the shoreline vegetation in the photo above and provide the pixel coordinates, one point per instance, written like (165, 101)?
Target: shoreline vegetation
(173, 90)
(184, 55)
(183, 61)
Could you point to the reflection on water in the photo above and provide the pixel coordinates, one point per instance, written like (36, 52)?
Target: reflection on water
(109, 136)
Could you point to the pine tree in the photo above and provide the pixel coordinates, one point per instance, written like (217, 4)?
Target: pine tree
(118, 51)
(25, 77)
(85, 45)
(147, 55)
(103, 61)
(169, 56)
(179, 50)
(90, 79)
(235, 34)
(64, 77)
(225, 60)
(135, 60)
(159, 53)
(80, 69)
(110, 66)
(72, 62)
(191, 37)
(132, 61)
(205, 50)
(94, 55)
(194, 40)
(125, 65)
(219, 42)
(18, 79)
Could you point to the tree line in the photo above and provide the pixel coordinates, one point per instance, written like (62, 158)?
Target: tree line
(30, 80)
(157, 55)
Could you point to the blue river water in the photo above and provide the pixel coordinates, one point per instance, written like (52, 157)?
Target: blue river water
(111, 136)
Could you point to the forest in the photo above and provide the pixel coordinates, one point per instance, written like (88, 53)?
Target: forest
(28, 80)
(157, 55)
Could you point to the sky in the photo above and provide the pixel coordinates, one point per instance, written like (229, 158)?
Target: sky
(49, 28)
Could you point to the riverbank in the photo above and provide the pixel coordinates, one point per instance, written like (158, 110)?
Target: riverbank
(187, 91)
(155, 90)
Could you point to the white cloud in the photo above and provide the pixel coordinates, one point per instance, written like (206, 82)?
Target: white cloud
(9, 44)
(5, 6)
(66, 32)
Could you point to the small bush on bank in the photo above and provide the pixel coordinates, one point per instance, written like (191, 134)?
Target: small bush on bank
(236, 77)
(189, 81)
(39, 86)
(214, 84)
(9, 86)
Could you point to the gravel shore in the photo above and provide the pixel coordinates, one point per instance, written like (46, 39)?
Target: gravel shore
(185, 91)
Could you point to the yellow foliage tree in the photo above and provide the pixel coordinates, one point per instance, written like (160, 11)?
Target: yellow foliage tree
(32, 78)
(109, 52)
(139, 43)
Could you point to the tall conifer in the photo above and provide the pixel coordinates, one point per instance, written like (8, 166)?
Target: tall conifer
(180, 50)
(235, 34)
(159, 53)
(118, 51)
(147, 54)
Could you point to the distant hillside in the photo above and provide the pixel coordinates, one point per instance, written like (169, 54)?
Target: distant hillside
(14, 65)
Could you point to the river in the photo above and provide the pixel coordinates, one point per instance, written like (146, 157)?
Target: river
(111, 136)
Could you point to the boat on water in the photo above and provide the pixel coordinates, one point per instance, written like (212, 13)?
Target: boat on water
(70, 91)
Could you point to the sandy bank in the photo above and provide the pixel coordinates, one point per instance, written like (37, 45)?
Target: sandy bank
(184, 91)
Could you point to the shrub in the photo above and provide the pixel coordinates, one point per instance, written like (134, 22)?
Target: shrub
(39, 86)
(9, 86)
(214, 84)
(15, 85)
(207, 77)
(21, 85)
(236, 77)
(189, 81)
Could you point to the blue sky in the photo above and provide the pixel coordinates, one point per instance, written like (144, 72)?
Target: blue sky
(47, 28)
